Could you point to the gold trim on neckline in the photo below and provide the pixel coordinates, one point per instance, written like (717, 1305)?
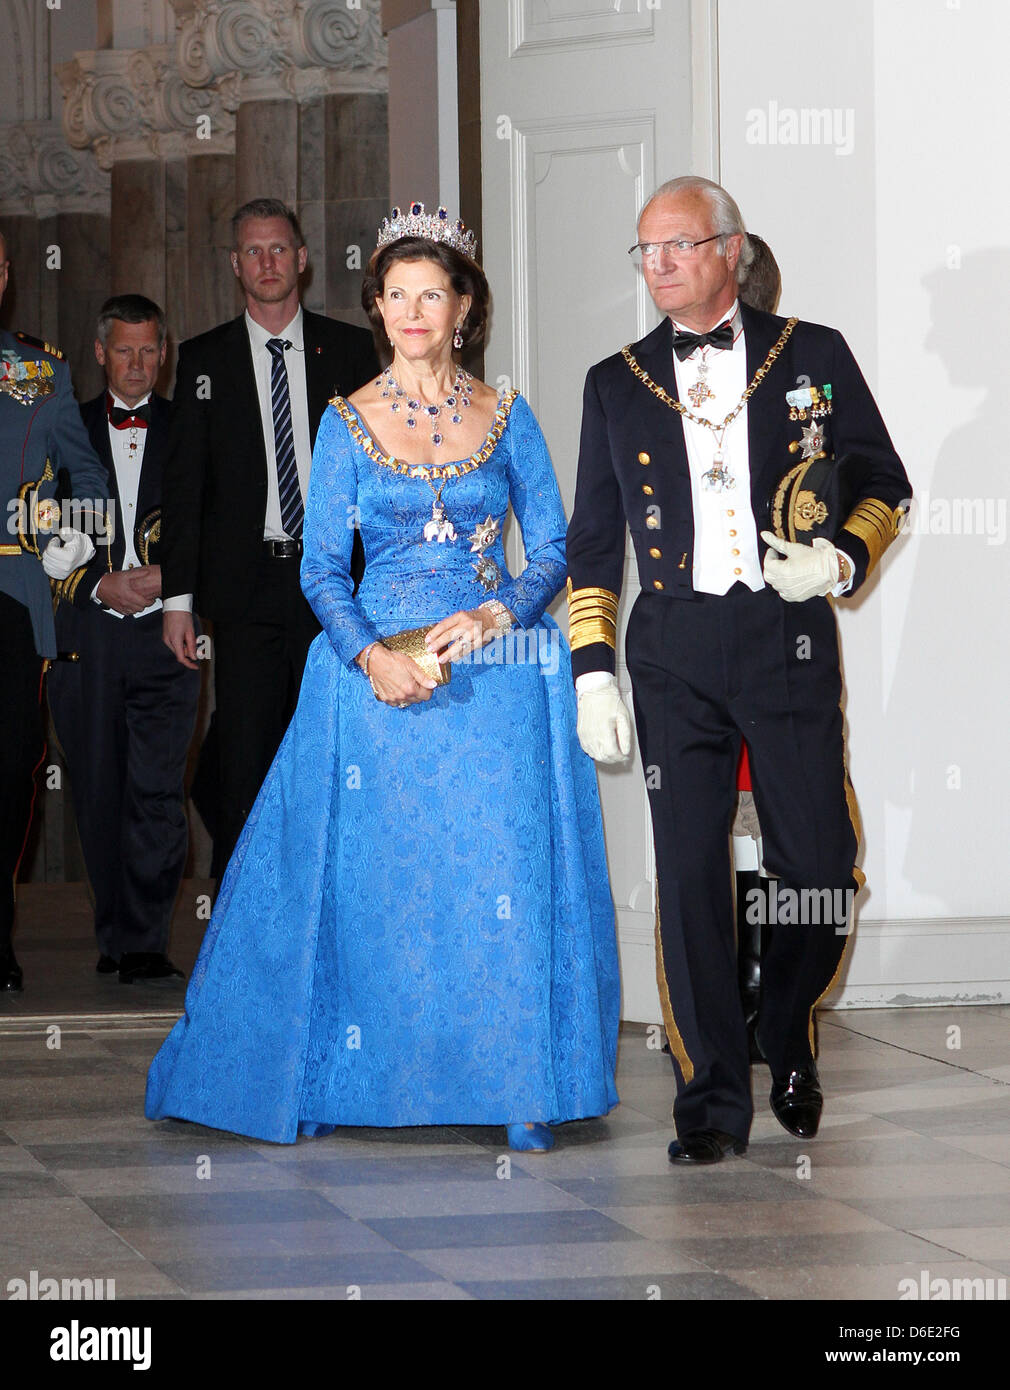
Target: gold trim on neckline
(435, 472)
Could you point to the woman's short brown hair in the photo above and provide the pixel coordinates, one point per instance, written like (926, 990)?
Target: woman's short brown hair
(465, 276)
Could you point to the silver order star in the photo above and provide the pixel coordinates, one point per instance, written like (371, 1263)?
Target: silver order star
(812, 440)
(483, 535)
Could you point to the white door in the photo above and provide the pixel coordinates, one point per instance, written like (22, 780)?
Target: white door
(586, 105)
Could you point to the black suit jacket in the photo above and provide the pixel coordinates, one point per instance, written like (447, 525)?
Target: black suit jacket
(215, 495)
(633, 470)
(93, 413)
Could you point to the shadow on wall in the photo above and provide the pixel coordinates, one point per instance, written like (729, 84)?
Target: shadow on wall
(947, 711)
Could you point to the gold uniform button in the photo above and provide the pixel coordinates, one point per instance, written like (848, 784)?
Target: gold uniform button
(738, 571)
(731, 513)
(656, 554)
(644, 458)
(658, 584)
(732, 533)
(648, 490)
(734, 552)
(652, 522)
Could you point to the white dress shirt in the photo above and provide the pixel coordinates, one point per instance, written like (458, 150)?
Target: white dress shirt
(294, 360)
(127, 447)
(725, 534)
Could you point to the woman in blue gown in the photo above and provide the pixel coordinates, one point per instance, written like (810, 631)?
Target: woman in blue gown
(416, 925)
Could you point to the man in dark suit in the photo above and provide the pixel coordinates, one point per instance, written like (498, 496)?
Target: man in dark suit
(685, 436)
(41, 437)
(248, 400)
(122, 707)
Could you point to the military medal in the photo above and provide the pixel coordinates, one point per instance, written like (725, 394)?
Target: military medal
(718, 478)
(484, 535)
(701, 392)
(811, 441)
(439, 528)
(25, 381)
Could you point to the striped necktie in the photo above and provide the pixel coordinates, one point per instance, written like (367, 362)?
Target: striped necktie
(292, 511)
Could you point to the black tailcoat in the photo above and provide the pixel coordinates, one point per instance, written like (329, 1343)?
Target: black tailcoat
(708, 670)
(623, 421)
(124, 712)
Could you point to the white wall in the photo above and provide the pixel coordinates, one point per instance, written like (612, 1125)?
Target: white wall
(897, 233)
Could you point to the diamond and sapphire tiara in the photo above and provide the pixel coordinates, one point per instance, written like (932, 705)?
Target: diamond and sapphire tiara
(434, 226)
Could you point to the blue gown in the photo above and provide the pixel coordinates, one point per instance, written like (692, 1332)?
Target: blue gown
(416, 926)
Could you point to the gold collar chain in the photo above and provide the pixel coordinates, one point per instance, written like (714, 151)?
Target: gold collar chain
(682, 409)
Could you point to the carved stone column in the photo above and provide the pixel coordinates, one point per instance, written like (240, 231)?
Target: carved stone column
(53, 211)
(308, 84)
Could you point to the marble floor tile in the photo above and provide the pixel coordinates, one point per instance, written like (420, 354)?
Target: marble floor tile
(646, 1259)
(244, 1272)
(957, 1209)
(450, 1199)
(874, 1247)
(982, 1243)
(912, 1180)
(277, 1238)
(417, 1233)
(437, 1291)
(816, 1216)
(212, 1208)
(677, 1288)
(839, 1283)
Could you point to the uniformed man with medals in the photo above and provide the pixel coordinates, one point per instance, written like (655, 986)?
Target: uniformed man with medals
(41, 435)
(704, 439)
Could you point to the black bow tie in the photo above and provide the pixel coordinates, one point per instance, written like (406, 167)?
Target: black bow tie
(685, 343)
(120, 418)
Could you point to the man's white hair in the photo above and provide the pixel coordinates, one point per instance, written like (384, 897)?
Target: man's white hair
(726, 217)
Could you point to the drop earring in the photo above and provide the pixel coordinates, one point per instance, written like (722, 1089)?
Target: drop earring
(457, 339)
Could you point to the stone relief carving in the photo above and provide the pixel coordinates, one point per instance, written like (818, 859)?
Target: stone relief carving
(39, 172)
(173, 98)
(124, 103)
(282, 47)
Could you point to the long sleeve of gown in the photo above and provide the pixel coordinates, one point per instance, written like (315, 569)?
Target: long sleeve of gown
(536, 501)
(331, 518)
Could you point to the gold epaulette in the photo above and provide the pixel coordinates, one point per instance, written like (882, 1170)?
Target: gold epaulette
(40, 343)
(876, 525)
(592, 617)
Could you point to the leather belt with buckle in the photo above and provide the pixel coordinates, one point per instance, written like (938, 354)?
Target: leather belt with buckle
(283, 550)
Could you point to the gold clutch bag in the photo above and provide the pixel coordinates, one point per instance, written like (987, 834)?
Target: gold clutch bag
(411, 643)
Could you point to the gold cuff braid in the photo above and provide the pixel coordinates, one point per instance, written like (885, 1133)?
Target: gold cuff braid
(592, 617)
(876, 525)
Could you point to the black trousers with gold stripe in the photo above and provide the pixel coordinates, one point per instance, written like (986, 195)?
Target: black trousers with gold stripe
(704, 674)
(22, 746)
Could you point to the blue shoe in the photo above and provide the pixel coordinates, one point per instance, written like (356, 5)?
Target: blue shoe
(536, 1140)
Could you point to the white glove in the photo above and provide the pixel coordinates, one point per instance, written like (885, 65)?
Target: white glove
(800, 572)
(66, 552)
(604, 726)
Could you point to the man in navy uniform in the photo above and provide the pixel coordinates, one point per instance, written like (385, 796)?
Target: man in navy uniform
(249, 396)
(124, 710)
(685, 437)
(40, 436)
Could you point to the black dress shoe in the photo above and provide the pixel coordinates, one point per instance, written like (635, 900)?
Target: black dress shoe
(107, 965)
(705, 1146)
(12, 981)
(798, 1101)
(148, 968)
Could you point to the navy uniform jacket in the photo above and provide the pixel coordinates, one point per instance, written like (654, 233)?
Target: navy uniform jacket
(215, 492)
(633, 470)
(40, 433)
(78, 589)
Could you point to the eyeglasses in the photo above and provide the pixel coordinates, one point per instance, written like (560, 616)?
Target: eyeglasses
(651, 251)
